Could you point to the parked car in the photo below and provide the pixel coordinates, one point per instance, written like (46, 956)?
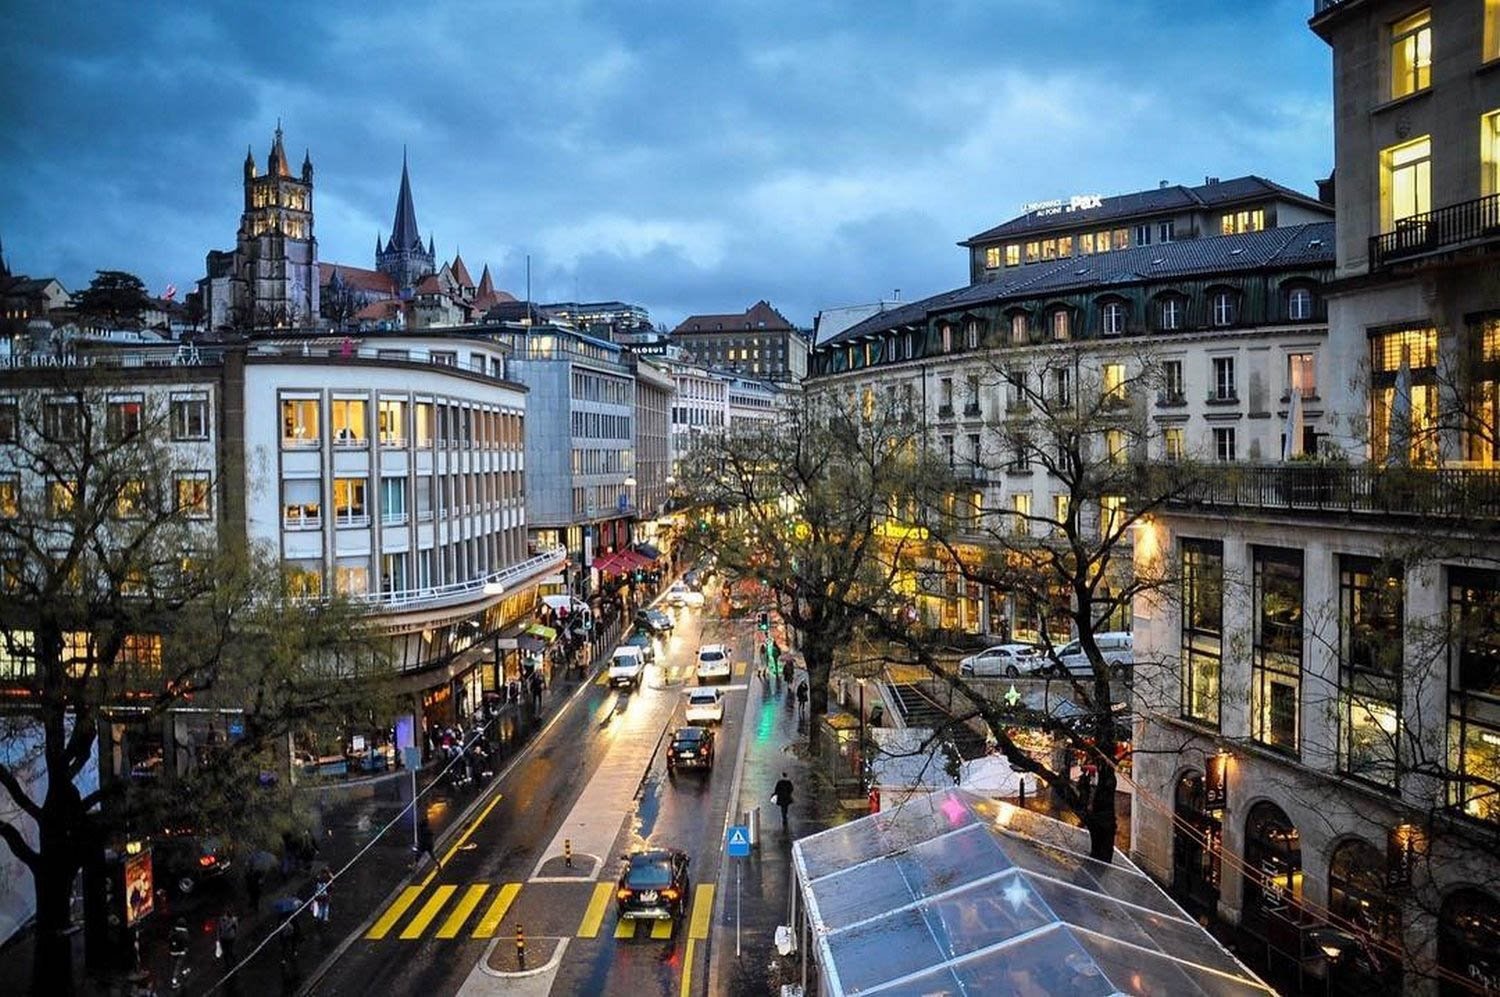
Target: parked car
(1117, 646)
(626, 666)
(704, 706)
(653, 885)
(653, 621)
(690, 747)
(644, 641)
(1010, 660)
(188, 861)
(679, 594)
(713, 662)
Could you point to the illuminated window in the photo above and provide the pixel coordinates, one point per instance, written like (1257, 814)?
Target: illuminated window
(1276, 687)
(1371, 606)
(10, 496)
(1019, 335)
(1174, 443)
(1086, 244)
(77, 652)
(1489, 153)
(300, 424)
(192, 494)
(1101, 242)
(17, 654)
(1482, 433)
(1491, 30)
(60, 496)
(1061, 320)
(1302, 374)
(991, 257)
(1224, 444)
(1412, 394)
(1049, 249)
(1202, 629)
(1033, 252)
(1064, 247)
(350, 427)
(349, 508)
(1121, 239)
(351, 576)
(1474, 683)
(130, 501)
(1114, 446)
(1405, 181)
(1059, 513)
(302, 504)
(1240, 222)
(1013, 255)
(1411, 54)
(1020, 503)
(140, 654)
(422, 418)
(1113, 384)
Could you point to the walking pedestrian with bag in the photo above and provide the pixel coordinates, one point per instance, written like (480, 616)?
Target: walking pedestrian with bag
(177, 948)
(322, 900)
(228, 930)
(782, 796)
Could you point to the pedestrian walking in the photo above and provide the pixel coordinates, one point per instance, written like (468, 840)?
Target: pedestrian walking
(322, 900)
(782, 796)
(802, 696)
(177, 948)
(228, 930)
(425, 843)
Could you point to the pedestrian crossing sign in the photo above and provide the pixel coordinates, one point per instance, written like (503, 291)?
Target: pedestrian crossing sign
(737, 843)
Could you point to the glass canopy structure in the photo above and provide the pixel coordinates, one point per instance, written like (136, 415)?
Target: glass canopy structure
(955, 894)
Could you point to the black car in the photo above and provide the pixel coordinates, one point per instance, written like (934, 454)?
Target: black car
(691, 747)
(188, 861)
(653, 886)
(653, 621)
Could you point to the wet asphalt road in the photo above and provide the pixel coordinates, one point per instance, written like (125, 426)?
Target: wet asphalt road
(510, 870)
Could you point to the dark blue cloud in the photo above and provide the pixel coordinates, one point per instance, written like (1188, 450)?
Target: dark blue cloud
(686, 156)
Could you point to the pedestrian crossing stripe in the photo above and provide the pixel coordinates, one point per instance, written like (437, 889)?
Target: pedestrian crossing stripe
(490, 923)
(418, 924)
(703, 910)
(594, 916)
(740, 668)
(393, 913)
(455, 922)
(660, 929)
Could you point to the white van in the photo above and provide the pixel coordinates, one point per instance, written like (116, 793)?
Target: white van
(626, 666)
(1117, 646)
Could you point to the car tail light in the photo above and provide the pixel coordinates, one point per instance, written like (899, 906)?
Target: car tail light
(207, 860)
(670, 893)
(624, 893)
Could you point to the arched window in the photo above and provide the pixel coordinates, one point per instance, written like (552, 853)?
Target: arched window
(1062, 325)
(971, 334)
(946, 332)
(1224, 308)
(1112, 316)
(1299, 304)
(1020, 335)
(1356, 889)
(1197, 835)
(1273, 865)
(1469, 941)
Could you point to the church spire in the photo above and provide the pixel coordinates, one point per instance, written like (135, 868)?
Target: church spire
(276, 164)
(404, 234)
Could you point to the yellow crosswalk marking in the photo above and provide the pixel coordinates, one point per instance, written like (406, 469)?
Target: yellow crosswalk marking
(703, 910)
(624, 928)
(740, 667)
(488, 924)
(393, 913)
(594, 916)
(687, 969)
(661, 929)
(418, 924)
(461, 913)
(603, 678)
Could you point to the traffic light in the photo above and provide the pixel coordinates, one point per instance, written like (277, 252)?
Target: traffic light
(765, 622)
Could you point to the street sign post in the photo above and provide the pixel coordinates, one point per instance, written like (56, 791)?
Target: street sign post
(737, 846)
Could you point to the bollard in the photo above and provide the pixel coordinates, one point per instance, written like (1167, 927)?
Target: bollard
(568, 852)
(520, 946)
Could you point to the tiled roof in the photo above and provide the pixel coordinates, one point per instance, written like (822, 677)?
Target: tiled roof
(1145, 202)
(357, 277)
(758, 316)
(1307, 245)
(379, 311)
(461, 272)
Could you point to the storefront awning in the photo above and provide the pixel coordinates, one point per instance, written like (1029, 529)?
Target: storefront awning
(608, 563)
(541, 630)
(647, 551)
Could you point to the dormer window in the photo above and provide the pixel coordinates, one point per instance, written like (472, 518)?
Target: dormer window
(1224, 308)
(971, 334)
(1061, 326)
(1169, 313)
(1113, 315)
(1299, 304)
(1019, 335)
(947, 334)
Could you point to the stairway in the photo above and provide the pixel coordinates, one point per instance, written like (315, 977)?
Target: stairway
(919, 710)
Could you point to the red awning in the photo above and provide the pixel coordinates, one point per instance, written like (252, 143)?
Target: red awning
(609, 563)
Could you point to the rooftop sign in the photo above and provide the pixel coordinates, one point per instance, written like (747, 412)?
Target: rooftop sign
(1057, 206)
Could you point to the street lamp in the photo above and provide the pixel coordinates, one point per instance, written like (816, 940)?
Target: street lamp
(861, 769)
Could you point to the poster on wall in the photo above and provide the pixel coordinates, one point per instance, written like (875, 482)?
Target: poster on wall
(139, 893)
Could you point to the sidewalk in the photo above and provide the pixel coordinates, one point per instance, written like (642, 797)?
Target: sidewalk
(343, 828)
(779, 745)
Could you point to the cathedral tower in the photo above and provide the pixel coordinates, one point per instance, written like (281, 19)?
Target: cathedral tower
(275, 268)
(404, 257)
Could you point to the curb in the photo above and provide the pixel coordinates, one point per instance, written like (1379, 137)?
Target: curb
(721, 890)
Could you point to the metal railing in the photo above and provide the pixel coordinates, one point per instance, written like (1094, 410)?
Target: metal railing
(1442, 228)
(1456, 493)
(457, 592)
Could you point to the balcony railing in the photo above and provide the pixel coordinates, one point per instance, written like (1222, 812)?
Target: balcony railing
(460, 592)
(1457, 493)
(1434, 231)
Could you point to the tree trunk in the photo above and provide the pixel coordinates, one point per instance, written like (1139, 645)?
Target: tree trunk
(1101, 820)
(52, 964)
(817, 656)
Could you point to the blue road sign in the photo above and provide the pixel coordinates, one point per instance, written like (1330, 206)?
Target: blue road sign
(737, 842)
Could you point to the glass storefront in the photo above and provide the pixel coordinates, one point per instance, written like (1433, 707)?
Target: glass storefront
(1273, 866)
(1469, 943)
(1197, 838)
(1359, 904)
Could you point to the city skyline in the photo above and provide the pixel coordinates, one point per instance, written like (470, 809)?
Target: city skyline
(687, 160)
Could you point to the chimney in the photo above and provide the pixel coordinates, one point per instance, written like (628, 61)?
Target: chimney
(1162, 185)
(1210, 181)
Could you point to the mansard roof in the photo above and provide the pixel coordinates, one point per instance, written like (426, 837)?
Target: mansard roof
(1309, 245)
(758, 316)
(1158, 200)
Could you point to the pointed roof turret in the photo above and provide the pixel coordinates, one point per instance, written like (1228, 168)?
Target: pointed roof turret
(276, 163)
(461, 272)
(307, 166)
(404, 234)
(486, 286)
(431, 245)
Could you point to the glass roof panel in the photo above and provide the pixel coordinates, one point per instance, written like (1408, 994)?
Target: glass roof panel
(914, 821)
(865, 891)
(1185, 941)
(1091, 910)
(882, 950)
(1136, 972)
(1045, 965)
(988, 913)
(948, 862)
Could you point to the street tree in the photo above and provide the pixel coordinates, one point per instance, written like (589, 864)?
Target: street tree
(128, 594)
(800, 506)
(114, 299)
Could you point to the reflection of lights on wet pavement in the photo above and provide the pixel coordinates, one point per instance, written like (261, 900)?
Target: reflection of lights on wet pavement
(436, 807)
(766, 725)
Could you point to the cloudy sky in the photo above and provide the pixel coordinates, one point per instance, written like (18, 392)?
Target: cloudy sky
(689, 157)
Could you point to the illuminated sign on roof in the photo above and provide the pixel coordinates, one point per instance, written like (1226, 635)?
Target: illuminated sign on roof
(1057, 206)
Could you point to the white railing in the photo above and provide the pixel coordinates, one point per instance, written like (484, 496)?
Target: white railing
(350, 519)
(302, 522)
(493, 584)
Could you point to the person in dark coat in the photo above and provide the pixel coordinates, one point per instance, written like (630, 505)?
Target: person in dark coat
(782, 796)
